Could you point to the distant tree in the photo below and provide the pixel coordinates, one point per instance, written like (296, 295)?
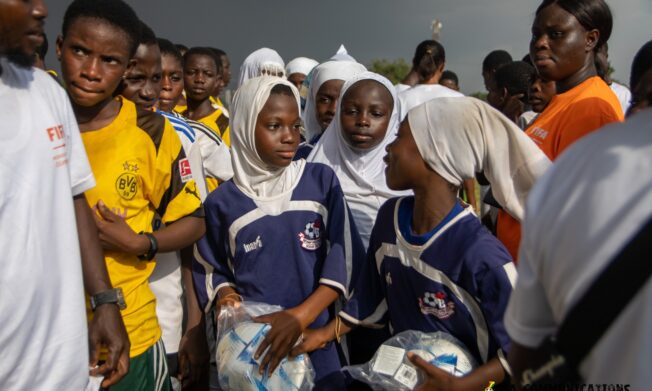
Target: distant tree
(480, 95)
(395, 70)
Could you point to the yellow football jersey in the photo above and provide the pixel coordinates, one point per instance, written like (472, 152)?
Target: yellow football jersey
(141, 171)
(219, 123)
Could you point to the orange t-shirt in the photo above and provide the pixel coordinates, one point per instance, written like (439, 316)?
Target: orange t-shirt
(568, 117)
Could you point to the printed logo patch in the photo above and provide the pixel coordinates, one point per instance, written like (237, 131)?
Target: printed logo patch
(435, 304)
(255, 245)
(310, 238)
(184, 170)
(127, 185)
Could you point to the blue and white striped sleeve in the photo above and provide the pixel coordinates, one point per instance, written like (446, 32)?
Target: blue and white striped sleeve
(345, 245)
(210, 269)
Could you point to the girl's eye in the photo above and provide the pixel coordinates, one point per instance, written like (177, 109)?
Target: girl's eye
(378, 114)
(273, 125)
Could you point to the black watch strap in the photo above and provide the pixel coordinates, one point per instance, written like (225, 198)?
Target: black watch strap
(153, 247)
(112, 296)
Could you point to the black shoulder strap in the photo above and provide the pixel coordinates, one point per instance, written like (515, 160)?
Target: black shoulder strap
(611, 292)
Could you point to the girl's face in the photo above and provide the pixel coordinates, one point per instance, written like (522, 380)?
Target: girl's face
(142, 81)
(366, 109)
(94, 56)
(560, 46)
(326, 101)
(404, 163)
(171, 83)
(278, 129)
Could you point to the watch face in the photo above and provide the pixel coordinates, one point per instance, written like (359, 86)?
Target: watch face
(121, 299)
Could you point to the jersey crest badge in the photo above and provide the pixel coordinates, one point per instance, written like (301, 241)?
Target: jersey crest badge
(184, 170)
(310, 238)
(127, 183)
(436, 304)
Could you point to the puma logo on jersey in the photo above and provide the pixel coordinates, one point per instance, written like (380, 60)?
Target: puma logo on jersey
(255, 245)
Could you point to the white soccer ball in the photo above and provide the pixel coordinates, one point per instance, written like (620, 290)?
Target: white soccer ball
(448, 353)
(239, 371)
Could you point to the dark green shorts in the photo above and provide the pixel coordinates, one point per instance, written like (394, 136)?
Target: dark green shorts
(147, 372)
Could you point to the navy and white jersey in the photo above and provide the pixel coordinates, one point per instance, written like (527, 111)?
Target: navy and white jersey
(306, 147)
(458, 280)
(280, 259)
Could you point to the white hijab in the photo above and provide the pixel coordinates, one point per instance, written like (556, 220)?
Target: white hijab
(300, 65)
(262, 60)
(459, 137)
(270, 188)
(342, 55)
(361, 173)
(330, 70)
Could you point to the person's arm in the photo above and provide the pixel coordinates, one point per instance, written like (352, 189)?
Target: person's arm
(106, 328)
(193, 348)
(288, 325)
(115, 233)
(440, 380)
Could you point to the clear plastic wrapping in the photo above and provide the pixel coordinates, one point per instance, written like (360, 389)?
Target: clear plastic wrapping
(238, 339)
(390, 368)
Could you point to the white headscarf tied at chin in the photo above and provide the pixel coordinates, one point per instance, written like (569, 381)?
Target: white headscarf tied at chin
(269, 187)
(459, 137)
(263, 61)
(360, 172)
(330, 70)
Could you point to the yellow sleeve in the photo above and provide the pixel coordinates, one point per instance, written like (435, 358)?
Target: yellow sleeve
(175, 193)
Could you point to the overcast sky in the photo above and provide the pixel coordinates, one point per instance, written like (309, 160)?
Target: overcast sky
(370, 29)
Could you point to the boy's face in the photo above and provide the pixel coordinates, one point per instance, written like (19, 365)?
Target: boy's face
(142, 82)
(94, 56)
(200, 77)
(171, 83)
(365, 113)
(21, 29)
(278, 130)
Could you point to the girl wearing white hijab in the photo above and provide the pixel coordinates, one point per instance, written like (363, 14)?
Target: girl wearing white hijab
(263, 61)
(431, 265)
(280, 231)
(325, 85)
(298, 69)
(361, 171)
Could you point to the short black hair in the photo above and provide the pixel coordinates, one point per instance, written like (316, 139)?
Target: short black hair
(114, 12)
(182, 48)
(495, 60)
(641, 64)
(169, 49)
(527, 59)
(147, 36)
(219, 52)
(592, 14)
(428, 56)
(203, 51)
(516, 77)
(450, 75)
(42, 50)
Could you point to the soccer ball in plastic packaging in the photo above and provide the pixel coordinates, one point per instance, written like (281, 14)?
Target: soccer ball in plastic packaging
(239, 371)
(390, 368)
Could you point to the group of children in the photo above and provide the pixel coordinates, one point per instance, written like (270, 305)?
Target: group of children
(323, 189)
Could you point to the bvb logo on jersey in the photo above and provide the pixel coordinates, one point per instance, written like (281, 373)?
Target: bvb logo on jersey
(127, 183)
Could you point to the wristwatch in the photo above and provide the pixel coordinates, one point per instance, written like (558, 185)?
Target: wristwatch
(153, 247)
(112, 296)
